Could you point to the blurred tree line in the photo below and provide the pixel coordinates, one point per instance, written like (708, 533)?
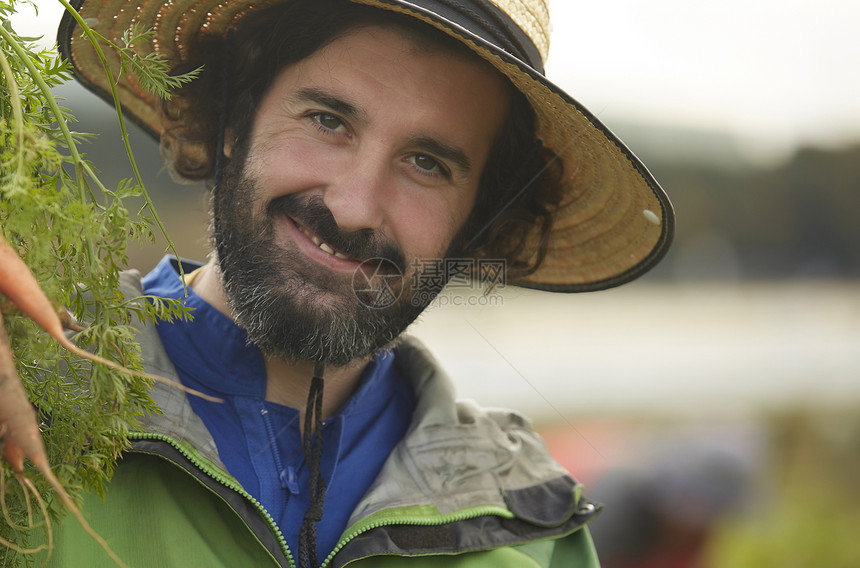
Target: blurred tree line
(800, 219)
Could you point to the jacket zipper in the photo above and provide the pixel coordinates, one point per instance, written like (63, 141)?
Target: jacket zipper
(362, 526)
(418, 520)
(226, 482)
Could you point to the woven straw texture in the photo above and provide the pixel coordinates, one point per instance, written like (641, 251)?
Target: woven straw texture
(615, 222)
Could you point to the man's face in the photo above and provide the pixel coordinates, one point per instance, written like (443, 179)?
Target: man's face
(371, 148)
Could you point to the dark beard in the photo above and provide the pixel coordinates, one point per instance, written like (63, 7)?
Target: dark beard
(291, 307)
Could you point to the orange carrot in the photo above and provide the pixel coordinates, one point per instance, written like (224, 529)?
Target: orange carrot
(19, 285)
(21, 437)
(19, 427)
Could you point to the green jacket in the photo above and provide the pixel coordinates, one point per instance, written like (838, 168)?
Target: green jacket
(466, 487)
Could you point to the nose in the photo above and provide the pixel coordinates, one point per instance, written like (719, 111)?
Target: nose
(356, 197)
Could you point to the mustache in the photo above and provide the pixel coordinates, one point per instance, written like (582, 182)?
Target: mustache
(362, 245)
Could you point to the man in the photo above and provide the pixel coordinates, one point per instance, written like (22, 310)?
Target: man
(356, 140)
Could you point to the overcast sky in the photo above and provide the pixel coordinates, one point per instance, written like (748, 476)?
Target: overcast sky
(774, 73)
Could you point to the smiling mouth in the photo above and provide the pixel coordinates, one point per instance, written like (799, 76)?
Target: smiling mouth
(323, 246)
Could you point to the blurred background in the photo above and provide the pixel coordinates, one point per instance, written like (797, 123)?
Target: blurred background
(713, 405)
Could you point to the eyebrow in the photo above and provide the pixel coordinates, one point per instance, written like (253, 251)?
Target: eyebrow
(330, 100)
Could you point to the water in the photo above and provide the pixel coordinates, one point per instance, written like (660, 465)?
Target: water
(696, 348)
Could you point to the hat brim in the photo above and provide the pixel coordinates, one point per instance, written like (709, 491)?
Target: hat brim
(614, 222)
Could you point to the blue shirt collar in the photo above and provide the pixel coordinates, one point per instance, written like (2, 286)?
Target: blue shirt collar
(216, 353)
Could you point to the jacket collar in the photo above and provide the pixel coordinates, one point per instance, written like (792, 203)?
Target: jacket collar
(455, 455)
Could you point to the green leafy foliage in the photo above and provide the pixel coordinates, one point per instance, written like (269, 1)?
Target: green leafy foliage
(73, 232)
(151, 70)
(808, 511)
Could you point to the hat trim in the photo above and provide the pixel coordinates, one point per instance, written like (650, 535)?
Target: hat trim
(490, 19)
(633, 247)
(667, 225)
(64, 46)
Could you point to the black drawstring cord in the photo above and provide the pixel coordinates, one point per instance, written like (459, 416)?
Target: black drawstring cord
(313, 455)
(312, 435)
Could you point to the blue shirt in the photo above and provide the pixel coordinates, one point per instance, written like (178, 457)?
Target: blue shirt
(259, 441)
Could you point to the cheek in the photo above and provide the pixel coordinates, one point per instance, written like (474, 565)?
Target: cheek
(426, 226)
(290, 165)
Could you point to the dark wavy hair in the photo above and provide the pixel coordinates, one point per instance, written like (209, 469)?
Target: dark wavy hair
(519, 187)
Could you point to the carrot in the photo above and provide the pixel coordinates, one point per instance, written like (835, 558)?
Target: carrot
(19, 425)
(19, 285)
(21, 437)
(19, 429)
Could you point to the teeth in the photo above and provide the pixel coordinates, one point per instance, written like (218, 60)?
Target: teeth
(319, 242)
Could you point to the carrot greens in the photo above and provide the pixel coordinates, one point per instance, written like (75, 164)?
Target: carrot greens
(72, 232)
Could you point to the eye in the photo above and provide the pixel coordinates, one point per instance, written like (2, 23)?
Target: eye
(327, 122)
(427, 165)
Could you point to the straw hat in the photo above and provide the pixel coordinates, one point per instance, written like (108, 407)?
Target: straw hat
(615, 222)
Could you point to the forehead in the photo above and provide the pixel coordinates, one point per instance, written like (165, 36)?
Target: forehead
(417, 40)
(374, 65)
(423, 37)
